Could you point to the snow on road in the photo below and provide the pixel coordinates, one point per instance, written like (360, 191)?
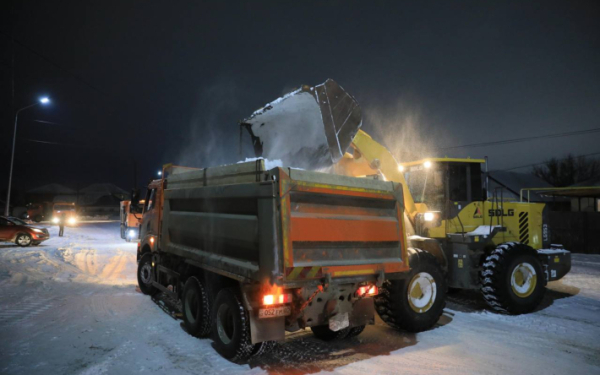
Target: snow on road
(70, 306)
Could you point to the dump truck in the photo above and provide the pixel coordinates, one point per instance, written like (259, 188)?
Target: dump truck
(247, 254)
(498, 247)
(251, 253)
(131, 217)
(68, 209)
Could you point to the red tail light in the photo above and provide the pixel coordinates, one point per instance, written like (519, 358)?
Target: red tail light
(276, 299)
(367, 290)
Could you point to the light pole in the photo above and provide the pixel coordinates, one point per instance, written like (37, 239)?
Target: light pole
(43, 100)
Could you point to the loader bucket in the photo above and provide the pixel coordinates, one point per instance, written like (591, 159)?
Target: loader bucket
(308, 128)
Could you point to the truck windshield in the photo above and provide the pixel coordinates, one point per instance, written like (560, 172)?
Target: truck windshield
(64, 207)
(426, 185)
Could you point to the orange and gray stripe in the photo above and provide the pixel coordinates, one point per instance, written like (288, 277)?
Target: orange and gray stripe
(297, 273)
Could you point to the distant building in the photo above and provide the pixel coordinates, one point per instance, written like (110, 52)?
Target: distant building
(48, 193)
(95, 199)
(100, 199)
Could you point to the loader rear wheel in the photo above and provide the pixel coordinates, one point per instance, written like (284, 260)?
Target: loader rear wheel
(144, 275)
(196, 311)
(326, 334)
(512, 279)
(415, 303)
(231, 333)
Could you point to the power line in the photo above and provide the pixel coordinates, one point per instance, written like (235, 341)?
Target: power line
(531, 165)
(55, 64)
(516, 140)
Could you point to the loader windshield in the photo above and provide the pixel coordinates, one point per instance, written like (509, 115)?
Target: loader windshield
(426, 185)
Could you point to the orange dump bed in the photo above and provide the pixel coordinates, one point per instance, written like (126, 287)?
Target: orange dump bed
(287, 225)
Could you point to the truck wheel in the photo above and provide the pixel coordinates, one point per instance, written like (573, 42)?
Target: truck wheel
(23, 240)
(196, 311)
(512, 279)
(326, 334)
(415, 303)
(144, 275)
(355, 331)
(231, 333)
(263, 348)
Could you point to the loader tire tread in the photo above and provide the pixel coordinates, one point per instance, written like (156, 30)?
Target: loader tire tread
(391, 302)
(495, 283)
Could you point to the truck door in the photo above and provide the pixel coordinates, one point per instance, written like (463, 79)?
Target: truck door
(149, 224)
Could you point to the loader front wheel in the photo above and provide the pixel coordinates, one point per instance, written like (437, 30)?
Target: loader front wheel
(196, 311)
(144, 275)
(415, 303)
(512, 279)
(231, 333)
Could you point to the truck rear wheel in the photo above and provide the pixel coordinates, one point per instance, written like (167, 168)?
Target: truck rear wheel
(196, 311)
(231, 333)
(326, 334)
(144, 275)
(512, 279)
(355, 331)
(414, 304)
(263, 348)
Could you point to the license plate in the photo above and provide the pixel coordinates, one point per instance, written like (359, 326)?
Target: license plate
(274, 312)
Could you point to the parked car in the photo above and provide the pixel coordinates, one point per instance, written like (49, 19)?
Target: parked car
(20, 232)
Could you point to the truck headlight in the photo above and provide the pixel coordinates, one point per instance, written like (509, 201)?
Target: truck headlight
(131, 233)
(72, 220)
(55, 220)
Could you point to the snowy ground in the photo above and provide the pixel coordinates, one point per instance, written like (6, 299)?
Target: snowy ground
(70, 306)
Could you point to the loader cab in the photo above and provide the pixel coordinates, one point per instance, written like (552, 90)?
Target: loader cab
(442, 187)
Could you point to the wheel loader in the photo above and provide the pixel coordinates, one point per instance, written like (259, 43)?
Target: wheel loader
(499, 247)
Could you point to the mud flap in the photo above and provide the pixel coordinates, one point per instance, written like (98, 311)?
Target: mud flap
(266, 329)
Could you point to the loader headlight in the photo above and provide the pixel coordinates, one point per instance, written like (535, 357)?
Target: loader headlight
(131, 233)
(55, 220)
(427, 164)
(428, 216)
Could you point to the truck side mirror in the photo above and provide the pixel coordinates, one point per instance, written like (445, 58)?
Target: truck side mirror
(135, 197)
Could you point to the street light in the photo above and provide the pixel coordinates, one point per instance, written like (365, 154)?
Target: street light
(43, 100)
(160, 173)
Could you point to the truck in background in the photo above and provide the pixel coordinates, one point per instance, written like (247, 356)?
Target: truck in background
(69, 209)
(38, 211)
(131, 217)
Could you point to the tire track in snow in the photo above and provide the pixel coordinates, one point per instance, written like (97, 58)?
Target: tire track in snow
(26, 309)
(115, 266)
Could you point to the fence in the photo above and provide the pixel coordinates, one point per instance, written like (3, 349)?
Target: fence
(578, 232)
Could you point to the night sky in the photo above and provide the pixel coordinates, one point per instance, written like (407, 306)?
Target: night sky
(162, 81)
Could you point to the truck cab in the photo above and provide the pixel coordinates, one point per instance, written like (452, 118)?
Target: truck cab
(68, 209)
(131, 217)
